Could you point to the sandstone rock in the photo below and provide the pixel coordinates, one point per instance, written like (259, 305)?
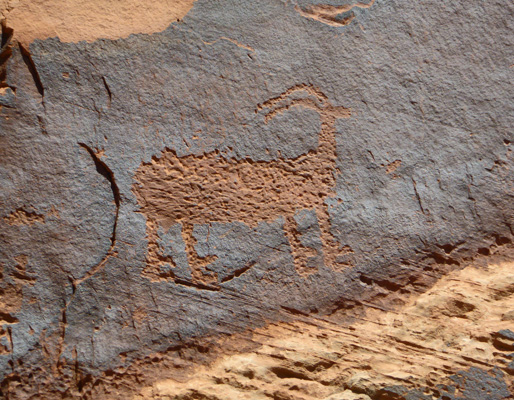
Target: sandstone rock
(508, 316)
(427, 357)
(178, 173)
(504, 339)
(348, 395)
(76, 20)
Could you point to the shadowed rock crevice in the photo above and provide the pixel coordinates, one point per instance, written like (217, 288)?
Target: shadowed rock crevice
(106, 172)
(29, 62)
(7, 92)
(5, 52)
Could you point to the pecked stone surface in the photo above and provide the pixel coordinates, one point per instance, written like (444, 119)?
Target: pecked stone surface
(253, 162)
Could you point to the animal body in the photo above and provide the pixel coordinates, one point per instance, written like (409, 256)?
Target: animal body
(207, 188)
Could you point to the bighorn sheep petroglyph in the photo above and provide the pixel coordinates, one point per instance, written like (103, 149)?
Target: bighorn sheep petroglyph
(207, 188)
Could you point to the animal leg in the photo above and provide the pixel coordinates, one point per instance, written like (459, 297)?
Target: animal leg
(155, 259)
(301, 254)
(335, 255)
(198, 264)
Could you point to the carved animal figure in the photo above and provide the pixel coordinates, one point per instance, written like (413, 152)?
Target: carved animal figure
(211, 188)
(331, 14)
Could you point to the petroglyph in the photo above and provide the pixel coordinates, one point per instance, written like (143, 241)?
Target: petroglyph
(332, 15)
(24, 217)
(202, 189)
(12, 283)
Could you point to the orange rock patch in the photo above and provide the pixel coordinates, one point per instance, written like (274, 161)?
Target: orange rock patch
(77, 20)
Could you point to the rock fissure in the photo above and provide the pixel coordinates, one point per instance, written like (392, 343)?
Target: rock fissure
(108, 89)
(29, 62)
(106, 172)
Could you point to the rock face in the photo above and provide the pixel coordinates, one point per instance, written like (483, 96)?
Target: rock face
(76, 20)
(255, 162)
(444, 344)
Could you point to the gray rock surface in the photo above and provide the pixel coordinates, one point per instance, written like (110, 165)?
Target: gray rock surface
(423, 171)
